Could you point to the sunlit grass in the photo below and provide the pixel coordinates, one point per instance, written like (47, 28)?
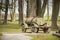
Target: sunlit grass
(1, 34)
(10, 30)
(44, 37)
(51, 37)
(14, 25)
(10, 27)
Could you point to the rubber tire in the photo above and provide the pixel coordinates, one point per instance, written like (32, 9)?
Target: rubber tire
(23, 30)
(35, 30)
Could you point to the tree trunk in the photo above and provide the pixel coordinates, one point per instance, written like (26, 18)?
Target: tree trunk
(55, 12)
(0, 9)
(31, 8)
(38, 8)
(48, 11)
(0, 15)
(13, 11)
(6, 12)
(20, 11)
(43, 8)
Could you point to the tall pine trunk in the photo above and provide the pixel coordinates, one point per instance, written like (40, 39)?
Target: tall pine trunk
(13, 11)
(55, 12)
(43, 8)
(31, 8)
(38, 2)
(0, 9)
(6, 11)
(20, 11)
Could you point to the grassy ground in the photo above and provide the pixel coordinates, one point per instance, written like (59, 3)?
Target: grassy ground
(10, 27)
(1, 34)
(13, 27)
(44, 37)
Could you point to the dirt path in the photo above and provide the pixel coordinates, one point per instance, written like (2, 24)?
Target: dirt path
(17, 36)
(21, 36)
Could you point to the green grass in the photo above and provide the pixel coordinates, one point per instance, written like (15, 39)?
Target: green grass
(44, 37)
(10, 27)
(13, 25)
(1, 34)
(10, 30)
(51, 37)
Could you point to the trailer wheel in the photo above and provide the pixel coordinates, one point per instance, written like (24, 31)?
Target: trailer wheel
(24, 30)
(32, 29)
(35, 30)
